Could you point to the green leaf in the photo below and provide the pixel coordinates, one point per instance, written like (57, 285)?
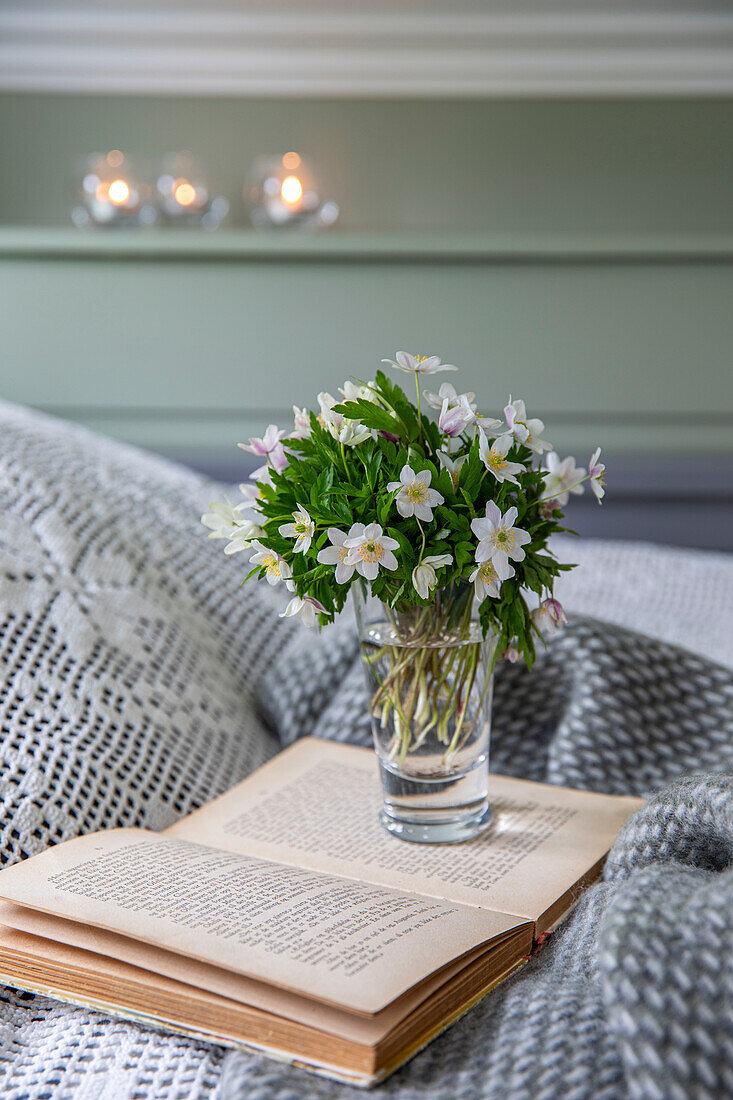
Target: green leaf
(370, 415)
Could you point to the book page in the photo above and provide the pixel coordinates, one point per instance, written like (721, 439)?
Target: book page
(344, 942)
(94, 945)
(317, 805)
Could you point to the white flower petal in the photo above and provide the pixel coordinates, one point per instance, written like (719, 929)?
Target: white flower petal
(343, 573)
(482, 527)
(485, 551)
(388, 543)
(329, 555)
(493, 514)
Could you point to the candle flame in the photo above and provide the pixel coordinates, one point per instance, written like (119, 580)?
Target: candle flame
(118, 192)
(184, 193)
(291, 190)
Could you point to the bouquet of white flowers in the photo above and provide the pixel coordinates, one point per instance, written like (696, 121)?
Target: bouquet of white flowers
(370, 489)
(418, 515)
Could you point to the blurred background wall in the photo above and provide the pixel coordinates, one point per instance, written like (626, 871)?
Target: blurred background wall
(575, 250)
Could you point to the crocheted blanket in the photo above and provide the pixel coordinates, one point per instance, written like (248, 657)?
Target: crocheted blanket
(139, 681)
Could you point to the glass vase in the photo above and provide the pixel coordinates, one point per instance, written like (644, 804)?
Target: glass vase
(429, 680)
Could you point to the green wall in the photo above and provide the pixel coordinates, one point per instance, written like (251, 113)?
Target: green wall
(579, 253)
(423, 165)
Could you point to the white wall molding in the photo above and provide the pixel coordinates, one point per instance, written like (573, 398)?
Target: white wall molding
(249, 245)
(243, 49)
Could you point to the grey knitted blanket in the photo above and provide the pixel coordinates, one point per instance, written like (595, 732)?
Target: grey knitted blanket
(635, 997)
(139, 681)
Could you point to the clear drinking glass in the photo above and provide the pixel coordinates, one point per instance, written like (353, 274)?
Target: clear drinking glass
(430, 685)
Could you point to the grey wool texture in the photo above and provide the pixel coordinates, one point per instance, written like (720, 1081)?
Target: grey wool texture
(634, 998)
(139, 681)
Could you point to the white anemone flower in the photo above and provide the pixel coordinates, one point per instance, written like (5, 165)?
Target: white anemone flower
(227, 521)
(527, 432)
(548, 618)
(251, 492)
(270, 447)
(301, 529)
(276, 568)
(338, 552)
(452, 465)
(447, 392)
(348, 432)
(262, 475)
(418, 364)
(301, 424)
(370, 550)
(563, 477)
(495, 460)
(360, 391)
(489, 424)
(597, 475)
(424, 578)
(414, 496)
(454, 419)
(487, 581)
(306, 607)
(498, 538)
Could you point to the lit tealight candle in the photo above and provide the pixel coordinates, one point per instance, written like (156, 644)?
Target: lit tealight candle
(118, 192)
(283, 191)
(291, 190)
(184, 192)
(183, 195)
(110, 192)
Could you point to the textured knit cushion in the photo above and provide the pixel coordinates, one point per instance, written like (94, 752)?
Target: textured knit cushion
(129, 657)
(129, 652)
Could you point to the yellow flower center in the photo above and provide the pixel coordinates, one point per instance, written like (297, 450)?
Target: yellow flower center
(496, 462)
(487, 572)
(417, 492)
(343, 554)
(371, 551)
(502, 537)
(272, 565)
(300, 526)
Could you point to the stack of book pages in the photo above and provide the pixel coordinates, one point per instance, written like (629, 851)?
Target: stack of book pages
(281, 917)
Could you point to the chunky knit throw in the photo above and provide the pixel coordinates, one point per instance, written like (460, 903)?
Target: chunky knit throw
(139, 681)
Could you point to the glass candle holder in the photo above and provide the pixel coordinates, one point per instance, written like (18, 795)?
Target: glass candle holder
(182, 194)
(112, 192)
(283, 191)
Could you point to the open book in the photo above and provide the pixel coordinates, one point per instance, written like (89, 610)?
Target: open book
(282, 917)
